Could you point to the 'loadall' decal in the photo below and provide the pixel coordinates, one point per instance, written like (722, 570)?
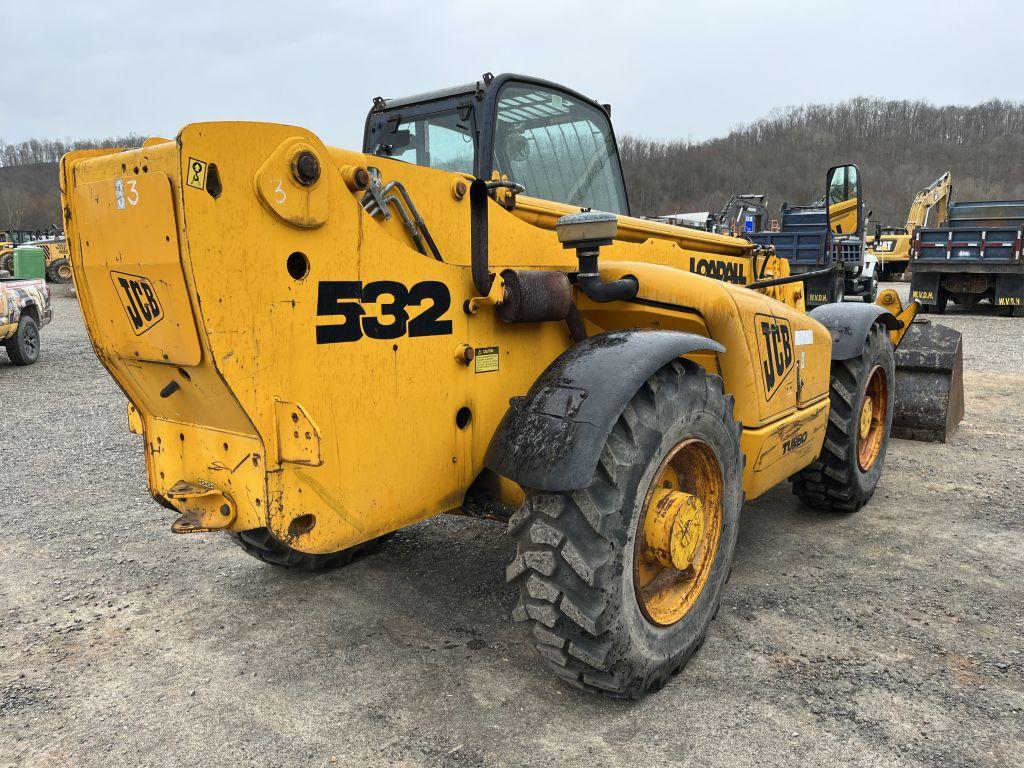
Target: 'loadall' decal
(775, 345)
(343, 300)
(138, 297)
(726, 271)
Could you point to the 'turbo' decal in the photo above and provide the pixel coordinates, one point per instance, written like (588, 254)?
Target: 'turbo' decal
(344, 299)
(138, 297)
(775, 345)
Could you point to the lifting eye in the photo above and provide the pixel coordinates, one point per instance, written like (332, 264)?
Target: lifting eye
(213, 185)
(298, 265)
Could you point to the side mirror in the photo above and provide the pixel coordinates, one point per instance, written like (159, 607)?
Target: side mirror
(397, 141)
(843, 200)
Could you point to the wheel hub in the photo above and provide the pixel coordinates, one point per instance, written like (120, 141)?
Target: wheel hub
(871, 426)
(673, 529)
(865, 417)
(678, 532)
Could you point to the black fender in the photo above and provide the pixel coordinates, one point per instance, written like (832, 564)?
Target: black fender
(849, 325)
(551, 439)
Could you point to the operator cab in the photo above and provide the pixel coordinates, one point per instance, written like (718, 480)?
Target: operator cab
(556, 143)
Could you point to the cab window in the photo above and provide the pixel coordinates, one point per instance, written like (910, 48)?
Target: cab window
(443, 140)
(559, 148)
(837, 190)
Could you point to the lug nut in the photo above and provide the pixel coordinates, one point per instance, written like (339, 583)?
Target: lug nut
(306, 168)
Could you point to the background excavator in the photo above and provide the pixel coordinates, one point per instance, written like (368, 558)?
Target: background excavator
(892, 244)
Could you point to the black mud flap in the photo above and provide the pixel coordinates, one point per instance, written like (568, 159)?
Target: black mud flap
(1010, 292)
(823, 289)
(929, 400)
(551, 439)
(924, 286)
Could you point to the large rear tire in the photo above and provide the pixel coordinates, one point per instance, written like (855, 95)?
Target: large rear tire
(23, 346)
(605, 613)
(846, 473)
(262, 545)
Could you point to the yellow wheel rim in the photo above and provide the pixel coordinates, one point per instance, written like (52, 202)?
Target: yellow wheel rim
(678, 532)
(64, 271)
(871, 424)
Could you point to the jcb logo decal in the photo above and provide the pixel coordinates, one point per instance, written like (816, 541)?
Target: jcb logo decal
(138, 297)
(775, 345)
(343, 300)
(726, 271)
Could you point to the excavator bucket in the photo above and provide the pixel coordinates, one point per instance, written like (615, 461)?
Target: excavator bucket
(929, 383)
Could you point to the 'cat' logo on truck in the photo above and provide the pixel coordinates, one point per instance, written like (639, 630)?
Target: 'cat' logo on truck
(775, 345)
(138, 297)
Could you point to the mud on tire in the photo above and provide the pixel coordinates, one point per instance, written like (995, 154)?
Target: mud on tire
(835, 482)
(261, 544)
(575, 551)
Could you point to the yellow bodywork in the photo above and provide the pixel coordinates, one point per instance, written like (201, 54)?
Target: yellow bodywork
(207, 311)
(844, 217)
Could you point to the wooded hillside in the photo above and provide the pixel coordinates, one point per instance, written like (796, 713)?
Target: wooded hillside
(29, 185)
(900, 146)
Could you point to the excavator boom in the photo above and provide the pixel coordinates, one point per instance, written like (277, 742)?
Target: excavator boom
(935, 195)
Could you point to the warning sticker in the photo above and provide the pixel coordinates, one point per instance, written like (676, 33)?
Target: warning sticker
(486, 359)
(195, 174)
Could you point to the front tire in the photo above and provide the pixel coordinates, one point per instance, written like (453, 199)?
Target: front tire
(262, 545)
(60, 272)
(603, 614)
(23, 346)
(846, 473)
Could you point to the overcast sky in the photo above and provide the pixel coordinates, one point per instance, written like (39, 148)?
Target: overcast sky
(670, 69)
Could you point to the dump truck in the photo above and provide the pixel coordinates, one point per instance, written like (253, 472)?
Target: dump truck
(463, 317)
(824, 241)
(891, 245)
(976, 254)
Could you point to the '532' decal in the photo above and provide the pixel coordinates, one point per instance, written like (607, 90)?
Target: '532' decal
(343, 300)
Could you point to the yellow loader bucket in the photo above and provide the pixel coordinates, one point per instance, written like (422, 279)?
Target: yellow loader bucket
(929, 383)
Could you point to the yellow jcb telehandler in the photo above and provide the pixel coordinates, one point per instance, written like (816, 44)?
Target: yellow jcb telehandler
(322, 346)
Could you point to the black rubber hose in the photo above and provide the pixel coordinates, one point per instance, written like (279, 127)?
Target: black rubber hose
(577, 332)
(790, 279)
(589, 281)
(615, 290)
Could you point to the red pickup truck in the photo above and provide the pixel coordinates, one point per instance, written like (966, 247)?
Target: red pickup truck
(24, 309)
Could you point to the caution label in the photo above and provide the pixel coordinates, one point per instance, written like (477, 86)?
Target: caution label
(486, 359)
(195, 173)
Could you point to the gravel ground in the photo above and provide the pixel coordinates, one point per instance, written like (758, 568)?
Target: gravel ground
(886, 638)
